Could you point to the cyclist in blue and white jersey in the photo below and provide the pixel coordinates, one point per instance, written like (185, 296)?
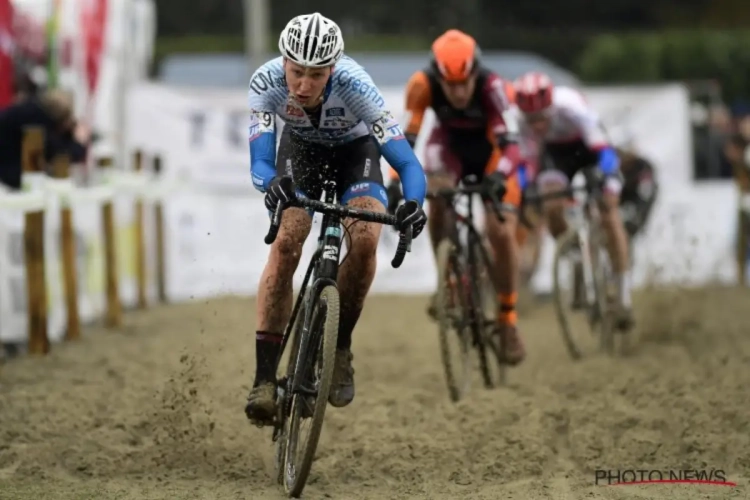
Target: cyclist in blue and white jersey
(336, 124)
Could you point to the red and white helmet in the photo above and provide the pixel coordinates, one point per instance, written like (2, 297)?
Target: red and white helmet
(533, 92)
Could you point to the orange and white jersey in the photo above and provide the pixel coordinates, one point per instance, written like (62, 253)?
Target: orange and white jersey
(571, 119)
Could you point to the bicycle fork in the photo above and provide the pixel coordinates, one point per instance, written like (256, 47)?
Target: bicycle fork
(587, 272)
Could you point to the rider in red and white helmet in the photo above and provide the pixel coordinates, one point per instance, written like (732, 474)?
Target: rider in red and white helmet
(571, 135)
(534, 93)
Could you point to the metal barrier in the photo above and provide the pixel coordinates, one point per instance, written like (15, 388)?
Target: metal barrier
(33, 201)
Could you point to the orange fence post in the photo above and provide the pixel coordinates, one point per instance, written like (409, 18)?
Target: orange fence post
(113, 317)
(36, 286)
(61, 170)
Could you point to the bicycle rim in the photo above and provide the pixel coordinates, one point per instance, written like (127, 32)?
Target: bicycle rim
(485, 309)
(565, 243)
(299, 456)
(452, 318)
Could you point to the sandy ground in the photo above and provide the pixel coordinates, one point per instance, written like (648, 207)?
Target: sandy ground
(154, 411)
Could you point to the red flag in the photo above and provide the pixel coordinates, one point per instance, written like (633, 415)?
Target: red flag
(94, 24)
(7, 46)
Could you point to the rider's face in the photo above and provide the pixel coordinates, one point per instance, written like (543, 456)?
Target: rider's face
(538, 122)
(306, 84)
(459, 94)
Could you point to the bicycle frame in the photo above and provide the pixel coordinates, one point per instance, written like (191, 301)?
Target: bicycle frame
(580, 214)
(323, 271)
(456, 222)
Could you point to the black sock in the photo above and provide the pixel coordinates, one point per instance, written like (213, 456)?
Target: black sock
(267, 346)
(347, 321)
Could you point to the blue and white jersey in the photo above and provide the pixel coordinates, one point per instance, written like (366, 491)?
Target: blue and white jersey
(352, 107)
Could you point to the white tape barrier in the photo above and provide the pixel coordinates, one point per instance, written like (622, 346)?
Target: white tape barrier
(38, 188)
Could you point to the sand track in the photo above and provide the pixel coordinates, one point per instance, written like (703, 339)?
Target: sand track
(154, 411)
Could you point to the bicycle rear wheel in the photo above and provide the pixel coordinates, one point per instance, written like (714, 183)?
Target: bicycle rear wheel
(317, 354)
(452, 316)
(485, 311)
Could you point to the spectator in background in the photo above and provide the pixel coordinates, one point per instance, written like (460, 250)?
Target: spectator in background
(30, 80)
(735, 151)
(720, 131)
(743, 127)
(53, 111)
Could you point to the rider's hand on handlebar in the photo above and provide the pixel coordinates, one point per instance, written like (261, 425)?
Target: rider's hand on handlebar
(411, 214)
(394, 195)
(496, 183)
(280, 190)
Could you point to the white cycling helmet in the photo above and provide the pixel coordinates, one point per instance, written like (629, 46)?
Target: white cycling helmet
(312, 40)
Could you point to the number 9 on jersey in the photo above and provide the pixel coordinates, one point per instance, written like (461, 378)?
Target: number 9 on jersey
(386, 129)
(261, 122)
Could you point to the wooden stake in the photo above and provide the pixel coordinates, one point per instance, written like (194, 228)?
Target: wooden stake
(36, 286)
(68, 253)
(140, 243)
(113, 316)
(159, 223)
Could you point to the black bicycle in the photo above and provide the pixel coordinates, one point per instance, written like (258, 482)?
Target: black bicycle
(302, 392)
(465, 305)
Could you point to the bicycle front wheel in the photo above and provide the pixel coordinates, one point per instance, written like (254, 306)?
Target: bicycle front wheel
(453, 320)
(315, 364)
(567, 293)
(285, 396)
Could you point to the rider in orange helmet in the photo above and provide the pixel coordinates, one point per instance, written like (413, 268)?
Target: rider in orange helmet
(474, 140)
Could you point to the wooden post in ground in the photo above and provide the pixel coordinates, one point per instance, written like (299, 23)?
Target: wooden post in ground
(32, 158)
(140, 241)
(159, 225)
(113, 316)
(61, 170)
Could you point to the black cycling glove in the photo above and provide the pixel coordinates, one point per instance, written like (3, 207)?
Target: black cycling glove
(280, 190)
(496, 183)
(411, 214)
(394, 195)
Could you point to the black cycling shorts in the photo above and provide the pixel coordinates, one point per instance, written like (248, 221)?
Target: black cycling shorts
(568, 157)
(354, 166)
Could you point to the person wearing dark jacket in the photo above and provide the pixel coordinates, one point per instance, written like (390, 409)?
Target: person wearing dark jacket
(53, 111)
(639, 191)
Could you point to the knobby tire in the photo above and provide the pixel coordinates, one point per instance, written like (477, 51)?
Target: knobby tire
(296, 474)
(280, 458)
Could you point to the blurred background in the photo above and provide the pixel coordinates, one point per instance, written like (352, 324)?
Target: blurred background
(217, 43)
(700, 42)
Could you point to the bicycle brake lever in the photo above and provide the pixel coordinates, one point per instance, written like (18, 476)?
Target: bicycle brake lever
(496, 206)
(273, 231)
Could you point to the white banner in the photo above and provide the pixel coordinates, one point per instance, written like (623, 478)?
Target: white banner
(201, 133)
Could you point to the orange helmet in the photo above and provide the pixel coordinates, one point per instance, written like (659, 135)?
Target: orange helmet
(455, 56)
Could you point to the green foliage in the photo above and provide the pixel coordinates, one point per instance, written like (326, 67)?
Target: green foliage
(671, 56)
